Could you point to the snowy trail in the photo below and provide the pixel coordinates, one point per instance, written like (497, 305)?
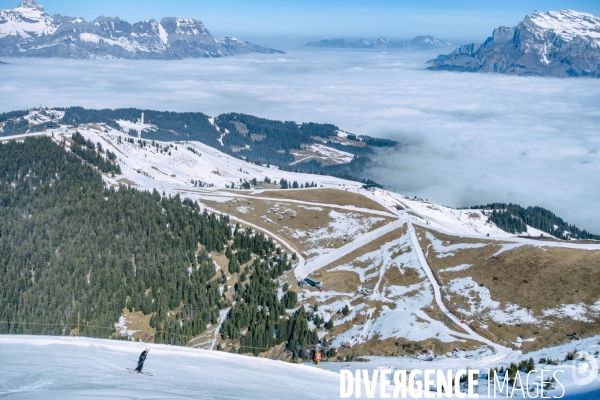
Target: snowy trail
(222, 316)
(500, 352)
(512, 239)
(212, 342)
(521, 240)
(302, 272)
(456, 222)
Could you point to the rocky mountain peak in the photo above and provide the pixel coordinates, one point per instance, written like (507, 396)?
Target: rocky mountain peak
(28, 31)
(31, 4)
(503, 34)
(556, 43)
(428, 41)
(26, 20)
(567, 24)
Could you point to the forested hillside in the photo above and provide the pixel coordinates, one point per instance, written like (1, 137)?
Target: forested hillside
(259, 309)
(514, 219)
(255, 139)
(266, 137)
(170, 126)
(71, 247)
(12, 123)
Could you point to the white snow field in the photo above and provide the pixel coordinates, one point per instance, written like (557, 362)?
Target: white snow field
(50, 367)
(81, 368)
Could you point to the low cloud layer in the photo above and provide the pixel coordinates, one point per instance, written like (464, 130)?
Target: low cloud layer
(470, 138)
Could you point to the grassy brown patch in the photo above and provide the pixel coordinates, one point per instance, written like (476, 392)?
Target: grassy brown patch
(534, 278)
(326, 196)
(295, 223)
(367, 248)
(221, 260)
(341, 281)
(404, 277)
(403, 347)
(278, 352)
(140, 323)
(126, 181)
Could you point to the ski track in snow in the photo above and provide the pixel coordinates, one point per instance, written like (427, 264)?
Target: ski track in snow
(501, 352)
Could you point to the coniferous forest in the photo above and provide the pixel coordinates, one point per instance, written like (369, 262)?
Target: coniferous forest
(514, 218)
(258, 308)
(71, 247)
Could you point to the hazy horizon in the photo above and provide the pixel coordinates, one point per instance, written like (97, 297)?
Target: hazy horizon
(469, 138)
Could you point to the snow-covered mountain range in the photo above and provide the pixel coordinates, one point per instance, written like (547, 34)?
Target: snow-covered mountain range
(419, 42)
(29, 31)
(557, 43)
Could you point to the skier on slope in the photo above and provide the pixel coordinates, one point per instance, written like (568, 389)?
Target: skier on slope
(141, 360)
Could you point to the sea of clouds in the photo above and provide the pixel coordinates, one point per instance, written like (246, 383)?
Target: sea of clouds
(468, 138)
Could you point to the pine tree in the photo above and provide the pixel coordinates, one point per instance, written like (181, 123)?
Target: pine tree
(530, 365)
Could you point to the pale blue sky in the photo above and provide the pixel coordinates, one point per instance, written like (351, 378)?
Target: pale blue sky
(457, 20)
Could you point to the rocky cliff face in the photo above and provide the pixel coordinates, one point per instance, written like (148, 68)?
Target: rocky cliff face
(558, 44)
(29, 31)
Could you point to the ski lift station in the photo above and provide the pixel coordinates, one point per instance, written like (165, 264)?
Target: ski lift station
(313, 283)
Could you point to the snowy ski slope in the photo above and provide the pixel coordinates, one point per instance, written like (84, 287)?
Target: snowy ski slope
(76, 368)
(83, 368)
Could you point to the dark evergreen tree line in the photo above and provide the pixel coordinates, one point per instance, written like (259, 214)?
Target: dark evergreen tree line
(269, 142)
(375, 142)
(86, 150)
(514, 219)
(13, 115)
(17, 124)
(171, 126)
(14, 127)
(69, 248)
(259, 310)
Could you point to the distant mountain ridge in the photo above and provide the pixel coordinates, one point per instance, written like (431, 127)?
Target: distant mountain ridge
(419, 42)
(29, 31)
(558, 44)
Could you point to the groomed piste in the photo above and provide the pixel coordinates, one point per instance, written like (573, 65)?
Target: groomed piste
(84, 368)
